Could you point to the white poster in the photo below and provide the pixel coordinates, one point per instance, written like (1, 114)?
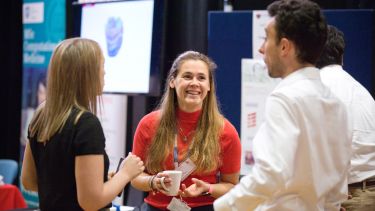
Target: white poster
(256, 85)
(113, 120)
(260, 20)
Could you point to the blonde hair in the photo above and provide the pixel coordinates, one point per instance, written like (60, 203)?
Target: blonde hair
(205, 148)
(73, 81)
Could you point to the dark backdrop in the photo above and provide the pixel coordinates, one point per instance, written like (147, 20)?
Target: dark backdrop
(11, 78)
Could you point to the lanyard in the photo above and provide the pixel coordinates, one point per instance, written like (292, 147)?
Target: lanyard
(175, 153)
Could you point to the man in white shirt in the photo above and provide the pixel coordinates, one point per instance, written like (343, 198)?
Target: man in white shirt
(302, 150)
(361, 110)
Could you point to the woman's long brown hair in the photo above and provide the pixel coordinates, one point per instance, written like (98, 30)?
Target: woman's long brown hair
(205, 148)
(73, 81)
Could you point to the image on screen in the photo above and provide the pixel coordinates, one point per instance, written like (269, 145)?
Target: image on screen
(124, 32)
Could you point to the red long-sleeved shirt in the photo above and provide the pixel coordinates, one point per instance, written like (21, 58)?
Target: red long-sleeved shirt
(230, 154)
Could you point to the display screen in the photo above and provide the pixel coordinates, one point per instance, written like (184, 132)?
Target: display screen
(124, 30)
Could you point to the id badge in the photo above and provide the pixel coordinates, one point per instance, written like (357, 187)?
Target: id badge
(187, 167)
(178, 205)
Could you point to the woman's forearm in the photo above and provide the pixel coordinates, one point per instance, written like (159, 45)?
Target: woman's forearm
(142, 182)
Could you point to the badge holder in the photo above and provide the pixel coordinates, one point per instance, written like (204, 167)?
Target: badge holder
(187, 167)
(178, 205)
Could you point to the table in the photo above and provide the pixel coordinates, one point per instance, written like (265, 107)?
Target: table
(11, 197)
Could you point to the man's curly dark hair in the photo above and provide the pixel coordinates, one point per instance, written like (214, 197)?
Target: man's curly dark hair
(333, 50)
(302, 22)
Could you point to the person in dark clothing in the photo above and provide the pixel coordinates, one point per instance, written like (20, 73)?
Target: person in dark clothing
(65, 159)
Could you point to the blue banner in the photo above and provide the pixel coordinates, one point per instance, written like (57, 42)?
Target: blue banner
(43, 28)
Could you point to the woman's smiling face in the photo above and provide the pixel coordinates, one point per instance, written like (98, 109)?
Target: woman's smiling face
(191, 84)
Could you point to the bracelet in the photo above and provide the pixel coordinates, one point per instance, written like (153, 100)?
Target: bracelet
(211, 189)
(209, 192)
(151, 182)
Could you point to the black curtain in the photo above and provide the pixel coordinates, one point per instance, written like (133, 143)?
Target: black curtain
(187, 22)
(11, 78)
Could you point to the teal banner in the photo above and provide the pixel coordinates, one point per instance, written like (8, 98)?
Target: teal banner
(43, 28)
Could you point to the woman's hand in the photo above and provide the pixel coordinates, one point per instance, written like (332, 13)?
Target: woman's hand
(157, 182)
(132, 166)
(196, 189)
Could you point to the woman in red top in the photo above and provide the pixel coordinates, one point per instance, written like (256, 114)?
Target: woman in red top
(188, 126)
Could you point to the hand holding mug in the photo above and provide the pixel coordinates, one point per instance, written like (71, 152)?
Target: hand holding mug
(168, 182)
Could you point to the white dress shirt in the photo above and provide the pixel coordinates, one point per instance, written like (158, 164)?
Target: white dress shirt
(301, 151)
(361, 109)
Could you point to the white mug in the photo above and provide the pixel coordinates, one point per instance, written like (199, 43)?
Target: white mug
(175, 182)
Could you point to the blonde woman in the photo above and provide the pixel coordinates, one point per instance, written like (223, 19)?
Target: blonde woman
(188, 126)
(65, 160)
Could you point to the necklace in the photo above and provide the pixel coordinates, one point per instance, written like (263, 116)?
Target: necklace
(185, 137)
